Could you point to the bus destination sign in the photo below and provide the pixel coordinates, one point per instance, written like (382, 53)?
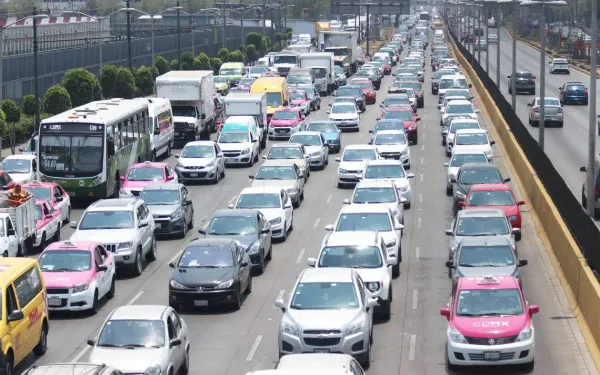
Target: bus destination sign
(73, 128)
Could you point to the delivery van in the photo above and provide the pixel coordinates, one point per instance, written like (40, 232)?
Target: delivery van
(277, 92)
(243, 123)
(24, 327)
(234, 72)
(163, 131)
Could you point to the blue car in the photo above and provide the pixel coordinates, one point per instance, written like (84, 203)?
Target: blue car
(574, 92)
(330, 132)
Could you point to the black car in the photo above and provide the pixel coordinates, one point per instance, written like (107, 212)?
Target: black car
(210, 272)
(249, 227)
(524, 82)
(356, 93)
(370, 74)
(474, 174)
(171, 206)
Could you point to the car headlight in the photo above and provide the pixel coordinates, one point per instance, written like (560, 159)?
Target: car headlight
(125, 245)
(275, 221)
(174, 284)
(525, 334)
(355, 327)
(291, 191)
(459, 194)
(246, 151)
(373, 286)
(342, 170)
(457, 337)
(212, 163)
(405, 152)
(289, 328)
(225, 285)
(315, 154)
(191, 125)
(392, 243)
(175, 215)
(512, 218)
(153, 370)
(81, 288)
(254, 248)
(178, 165)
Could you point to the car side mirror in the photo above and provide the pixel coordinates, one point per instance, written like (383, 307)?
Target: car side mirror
(521, 203)
(507, 179)
(311, 262)
(176, 156)
(329, 227)
(418, 118)
(492, 143)
(507, 76)
(287, 205)
(202, 231)
(73, 224)
(403, 200)
(448, 232)
(230, 206)
(175, 342)
(122, 178)
(58, 199)
(583, 169)
(533, 77)
(461, 204)
(450, 264)
(251, 177)
(143, 224)
(371, 303)
(101, 268)
(280, 304)
(338, 159)
(399, 226)
(533, 309)
(254, 140)
(48, 216)
(170, 178)
(453, 180)
(91, 342)
(21, 149)
(266, 230)
(15, 316)
(529, 104)
(446, 164)
(172, 264)
(522, 262)
(445, 312)
(346, 201)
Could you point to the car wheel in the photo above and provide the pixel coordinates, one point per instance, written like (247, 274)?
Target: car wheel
(43, 240)
(261, 264)
(296, 204)
(215, 180)
(191, 223)
(42, 346)
(56, 236)
(95, 304)
(270, 253)
(237, 303)
(518, 236)
(136, 267)
(396, 269)
(249, 287)
(386, 312)
(8, 365)
(560, 124)
(407, 205)
(185, 366)
(365, 359)
(113, 287)
(443, 141)
(284, 236)
(449, 190)
(68, 219)
(151, 255)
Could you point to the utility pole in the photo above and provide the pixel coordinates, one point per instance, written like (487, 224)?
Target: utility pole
(178, 36)
(130, 61)
(224, 25)
(542, 120)
(264, 14)
(368, 26)
(35, 71)
(591, 169)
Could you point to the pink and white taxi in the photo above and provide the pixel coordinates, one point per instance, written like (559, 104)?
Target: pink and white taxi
(54, 194)
(143, 174)
(489, 323)
(300, 99)
(47, 223)
(77, 275)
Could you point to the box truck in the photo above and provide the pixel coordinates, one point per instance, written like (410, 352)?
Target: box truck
(322, 64)
(342, 44)
(249, 104)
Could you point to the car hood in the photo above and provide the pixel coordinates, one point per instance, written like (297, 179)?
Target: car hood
(233, 146)
(372, 274)
(490, 327)
(299, 101)
(134, 361)
(330, 136)
(483, 148)
(245, 239)
(195, 162)
(203, 276)
(391, 148)
(105, 236)
(162, 210)
(484, 271)
(66, 279)
(409, 124)
(272, 213)
(138, 185)
(508, 210)
(276, 123)
(21, 177)
(323, 319)
(311, 149)
(342, 116)
(283, 184)
(353, 165)
(392, 206)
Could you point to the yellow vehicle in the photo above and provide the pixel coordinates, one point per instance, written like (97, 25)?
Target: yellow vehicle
(24, 325)
(277, 92)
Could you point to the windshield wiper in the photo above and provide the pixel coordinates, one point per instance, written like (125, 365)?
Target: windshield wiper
(63, 270)
(296, 307)
(226, 234)
(200, 267)
(466, 265)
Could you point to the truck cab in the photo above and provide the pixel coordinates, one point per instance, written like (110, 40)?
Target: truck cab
(284, 61)
(17, 226)
(9, 243)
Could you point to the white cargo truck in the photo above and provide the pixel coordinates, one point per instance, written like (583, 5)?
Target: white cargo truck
(301, 47)
(17, 226)
(286, 60)
(341, 44)
(322, 64)
(249, 104)
(191, 93)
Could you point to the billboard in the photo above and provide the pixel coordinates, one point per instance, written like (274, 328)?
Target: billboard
(387, 7)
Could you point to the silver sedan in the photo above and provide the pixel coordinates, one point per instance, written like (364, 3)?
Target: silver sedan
(553, 112)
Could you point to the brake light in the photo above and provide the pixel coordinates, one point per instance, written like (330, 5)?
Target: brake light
(585, 92)
(596, 189)
(536, 110)
(560, 110)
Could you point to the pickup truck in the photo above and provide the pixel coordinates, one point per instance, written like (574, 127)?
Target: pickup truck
(17, 227)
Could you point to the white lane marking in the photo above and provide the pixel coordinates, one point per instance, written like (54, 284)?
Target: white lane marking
(279, 296)
(422, 160)
(328, 199)
(81, 353)
(300, 256)
(423, 148)
(417, 253)
(420, 198)
(413, 344)
(421, 177)
(423, 136)
(254, 348)
(316, 224)
(135, 298)
(419, 222)
(415, 298)
(232, 199)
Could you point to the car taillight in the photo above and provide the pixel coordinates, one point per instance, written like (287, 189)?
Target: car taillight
(585, 92)
(536, 110)
(596, 189)
(560, 110)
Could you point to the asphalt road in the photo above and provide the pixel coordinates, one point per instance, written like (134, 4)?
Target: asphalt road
(566, 147)
(412, 342)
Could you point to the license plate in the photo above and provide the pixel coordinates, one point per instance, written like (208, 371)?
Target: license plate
(54, 301)
(231, 160)
(321, 350)
(193, 174)
(161, 225)
(331, 147)
(491, 356)
(200, 303)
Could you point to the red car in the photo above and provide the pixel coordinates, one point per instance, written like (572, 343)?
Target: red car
(418, 89)
(368, 89)
(384, 109)
(410, 120)
(498, 196)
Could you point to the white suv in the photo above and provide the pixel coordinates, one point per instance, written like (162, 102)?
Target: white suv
(379, 192)
(366, 252)
(124, 226)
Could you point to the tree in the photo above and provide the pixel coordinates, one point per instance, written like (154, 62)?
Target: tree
(187, 61)
(108, 77)
(223, 54)
(3, 129)
(216, 63)
(174, 64)
(268, 45)
(257, 40)
(144, 81)
(202, 62)
(244, 50)
(235, 56)
(124, 84)
(28, 105)
(251, 53)
(154, 72)
(13, 116)
(82, 86)
(161, 64)
(57, 100)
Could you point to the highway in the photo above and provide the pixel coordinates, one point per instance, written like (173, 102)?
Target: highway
(567, 148)
(412, 342)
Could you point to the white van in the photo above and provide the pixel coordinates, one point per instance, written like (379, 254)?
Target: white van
(243, 123)
(163, 134)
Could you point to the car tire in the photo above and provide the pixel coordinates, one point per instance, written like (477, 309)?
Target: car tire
(444, 141)
(407, 205)
(237, 303)
(396, 269)
(7, 366)
(136, 267)
(365, 359)
(260, 269)
(191, 223)
(449, 190)
(152, 254)
(448, 153)
(269, 255)
(249, 286)
(68, 219)
(185, 366)
(529, 366)
(561, 124)
(56, 236)
(386, 312)
(113, 287)
(284, 236)
(42, 346)
(518, 236)
(407, 167)
(95, 304)
(296, 204)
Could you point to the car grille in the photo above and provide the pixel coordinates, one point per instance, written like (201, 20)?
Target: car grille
(486, 341)
(354, 172)
(322, 331)
(283, 70)
(328, 341)
(111, 247)
(480, 356)
(135, 193)
(281, 130)
(390, 154)
(181, 126)
(196, 175)
(231, 154)
(57, 290)
(194, 167)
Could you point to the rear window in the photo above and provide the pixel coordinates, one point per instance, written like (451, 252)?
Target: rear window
(575, 87)
(524, 75)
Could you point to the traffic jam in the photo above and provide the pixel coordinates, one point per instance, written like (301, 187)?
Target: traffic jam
(113, 154)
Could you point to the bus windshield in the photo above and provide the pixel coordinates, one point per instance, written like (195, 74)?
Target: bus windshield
(71, 155)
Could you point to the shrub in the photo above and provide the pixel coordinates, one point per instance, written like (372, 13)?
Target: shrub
(202, 62)
(235, 56)
(28, 106)
(216, 63)
(108, 77)
(174, 64)
(154, 72)
(187, 61)
(251, 53)
(161, 64)
(11, 111)
(57, 100)
(223, 54)
(257, 40)
(82, 86)
(124, 84)
(144, 81)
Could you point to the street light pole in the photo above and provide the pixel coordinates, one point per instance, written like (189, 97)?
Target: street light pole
(130, 60)
(513, 78)
(487, 46)
(35, 70)
(479, 37)
(591, 181)
(178, 36)
(498, 27)
(542, 122)
(264, 14)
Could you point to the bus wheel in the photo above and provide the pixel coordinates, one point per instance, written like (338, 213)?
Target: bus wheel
(117, 186)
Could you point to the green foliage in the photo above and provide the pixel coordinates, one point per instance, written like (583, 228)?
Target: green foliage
(187, 61)
(257, 40)
(279, 37)
(124, 84)
(223, 54)
(235, 56)
(3, 127)
(216, 63)
(268, 45)
(161, 64)
(154, 72)
(11, 111)
(57, 100)
(288, 35)
(174, 64)
(252, 53)
(202, 62)
(144, 81)
(289, 30)
(28, 106)
(108, 77)
(82, 86)
(244, 50)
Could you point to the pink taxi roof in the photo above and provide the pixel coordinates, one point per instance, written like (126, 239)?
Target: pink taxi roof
(40, 184)
(72, 245)
(289, 109)
(488, 282)
(148, 165)
(40, 201)
(298, 91)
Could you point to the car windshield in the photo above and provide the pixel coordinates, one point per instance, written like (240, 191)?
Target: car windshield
(206, 257)
(262, 200)
(459, 159)
(392, 101)
(198, 152)
(399, 115)
(390, 139)
(232, 226)
(351, 257)
(389, 125)
(65, 155)
(384, 171)
(234, 137)
(230, 72)
(359, 155)
(461, 93)
(489, 302)
(324, 296)
(132, 334)
(319, 72)
(575, 87)
(285, 59)
(285, 153)
(146, 174)
(306, 140)
(220, 79)
(297, 95)
(15, 165)
(459, 108)
(349, 91)
(285, 115)
(106, 220)
(160, 197)
(41, 193)
(482, 226)
(463, 125)
(459, 83)
(274, 99)
(411, 85)
(368, 222)
(491, 198)
(524, 75)
(374, 195)
(299, 79)
(480, 176)
(66, 261)
(551, 102)
(276, 173)
(486, 256)
(323, 127)
(258, 69)
(471, 139)
(343, 108)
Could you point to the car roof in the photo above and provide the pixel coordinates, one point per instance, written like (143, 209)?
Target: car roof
(72, 245)
(320, 275)
(471, 131)
(374, 183)
(490, 187)
(307, 132)
(485, 241)
(396, 96)
(479, 166)
(364, 209)
(138, 312)
(245, 212)
(163, 186)
(148, 164)
(499, 282)
(289, 109)
(481, 212)
(359, 147)
(21, 156)
(390, 132)
(398, 108)
(464, 119)
(459, 102)
(261, 190)
(359, 238)
(548, 97)
(211, 241)
(200, 143)
(286, 144)
(316, 361)
(278, 163)
(467, 150)
(574, 83)
(385, 162)
(113, 204)
(39, 184)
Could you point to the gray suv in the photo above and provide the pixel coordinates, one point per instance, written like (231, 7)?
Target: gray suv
(524, 82)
